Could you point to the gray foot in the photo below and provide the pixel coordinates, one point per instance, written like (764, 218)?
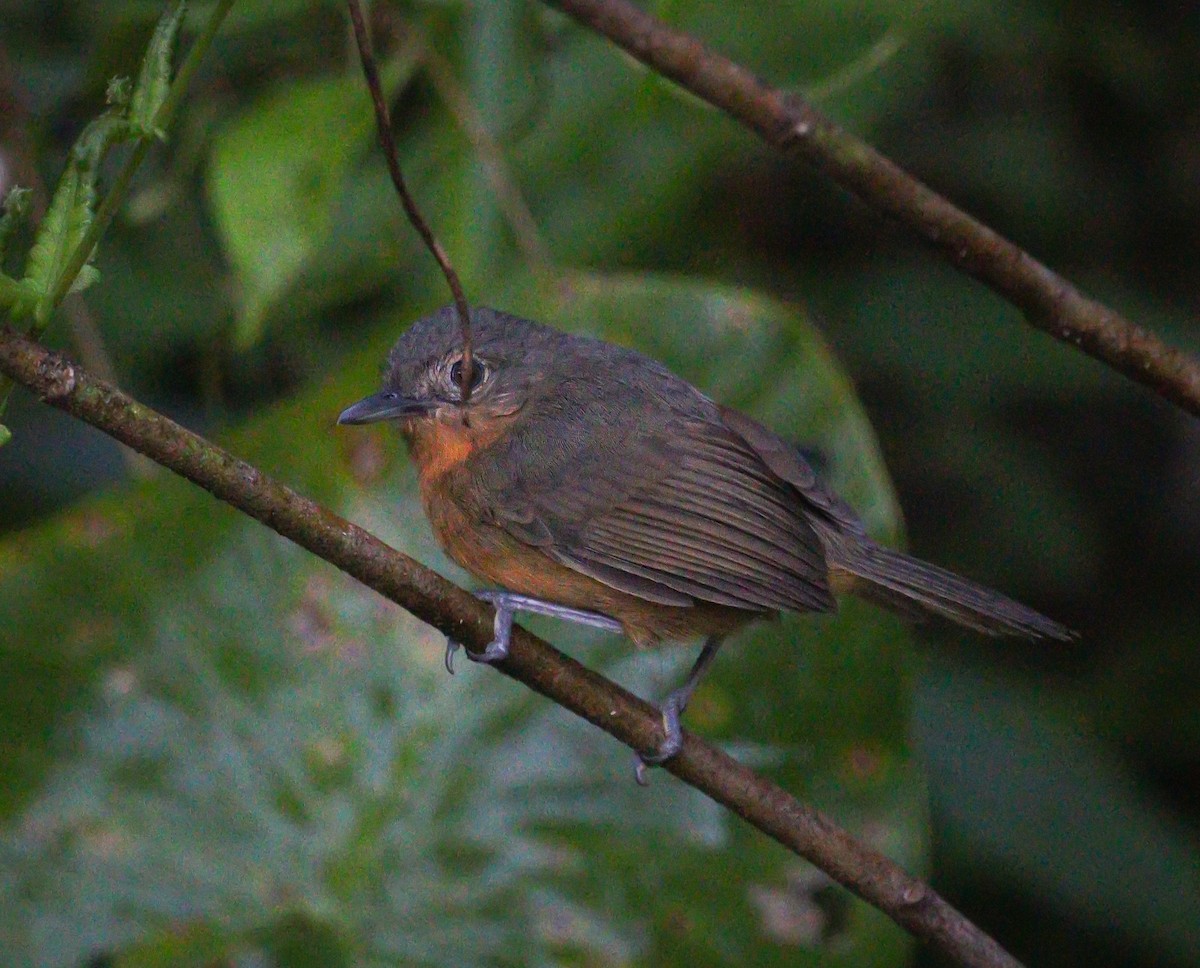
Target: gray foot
(672, 742)
(672, 710)
(508, 604)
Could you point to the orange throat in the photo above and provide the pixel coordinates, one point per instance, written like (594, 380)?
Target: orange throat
(442, 442)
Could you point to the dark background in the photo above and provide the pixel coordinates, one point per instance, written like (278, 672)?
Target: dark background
(1064, 782)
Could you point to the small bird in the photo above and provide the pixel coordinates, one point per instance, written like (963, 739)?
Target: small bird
(588, 482)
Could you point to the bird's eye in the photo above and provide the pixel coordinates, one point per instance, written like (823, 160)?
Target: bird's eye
(478, 371)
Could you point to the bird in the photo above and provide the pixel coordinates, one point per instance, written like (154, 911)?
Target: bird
(586, 481)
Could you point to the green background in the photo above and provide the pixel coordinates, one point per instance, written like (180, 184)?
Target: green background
(218, 750)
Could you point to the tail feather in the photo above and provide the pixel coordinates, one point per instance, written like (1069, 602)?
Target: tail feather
(899, 583)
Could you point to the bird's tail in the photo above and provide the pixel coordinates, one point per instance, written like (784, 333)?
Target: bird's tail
(912, 587)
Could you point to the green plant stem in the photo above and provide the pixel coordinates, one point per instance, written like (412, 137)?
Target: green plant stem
(908, 901)
(119, 190)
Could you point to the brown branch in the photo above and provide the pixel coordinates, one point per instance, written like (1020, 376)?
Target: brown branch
(909, 902)
(1050, 303)
(383, 123)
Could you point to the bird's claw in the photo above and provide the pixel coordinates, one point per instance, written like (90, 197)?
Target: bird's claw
(672, 739)
(497, 649)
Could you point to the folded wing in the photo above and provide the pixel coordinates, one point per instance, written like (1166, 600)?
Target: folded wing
(684, 514)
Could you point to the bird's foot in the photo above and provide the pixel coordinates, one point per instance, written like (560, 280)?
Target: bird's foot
(497, 649)
(672, 741)
(673, 709)
(507, 604)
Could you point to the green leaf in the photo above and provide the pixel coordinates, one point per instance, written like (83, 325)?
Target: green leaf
(16, 212)
(63, 227)
(215, 743)
(275, 177)
(17, 297)
(72, 208)
(6, 389)
(87, 276)
(154, 78)
(110, 128)
(118, 92)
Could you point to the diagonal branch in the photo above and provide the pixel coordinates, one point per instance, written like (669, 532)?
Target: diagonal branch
(909, 902)
(1050, 303)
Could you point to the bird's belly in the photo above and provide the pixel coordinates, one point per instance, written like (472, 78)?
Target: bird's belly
(493, 556)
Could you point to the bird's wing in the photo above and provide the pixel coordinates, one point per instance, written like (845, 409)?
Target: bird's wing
(683, 513)
(786, 462)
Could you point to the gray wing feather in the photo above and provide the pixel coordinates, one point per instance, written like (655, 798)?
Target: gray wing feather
(784, 460)
(676, 511)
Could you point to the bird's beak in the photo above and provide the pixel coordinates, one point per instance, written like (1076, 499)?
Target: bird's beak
(387, 405)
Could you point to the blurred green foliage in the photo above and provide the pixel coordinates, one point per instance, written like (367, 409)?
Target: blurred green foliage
(228, 742)
(220, 751)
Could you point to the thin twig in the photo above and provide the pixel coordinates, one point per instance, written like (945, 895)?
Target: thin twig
(1049, 302)
(388, 143)
(909, 902)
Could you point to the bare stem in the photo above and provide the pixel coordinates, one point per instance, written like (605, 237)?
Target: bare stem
(388, 143)
(1050, 303)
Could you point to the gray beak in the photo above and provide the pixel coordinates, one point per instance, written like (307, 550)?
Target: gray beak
(387, 405)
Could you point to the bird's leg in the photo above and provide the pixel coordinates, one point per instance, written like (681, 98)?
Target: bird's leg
(673, 708)
(509, 603)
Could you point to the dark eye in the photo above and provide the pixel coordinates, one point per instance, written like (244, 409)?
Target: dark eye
(478, 369)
